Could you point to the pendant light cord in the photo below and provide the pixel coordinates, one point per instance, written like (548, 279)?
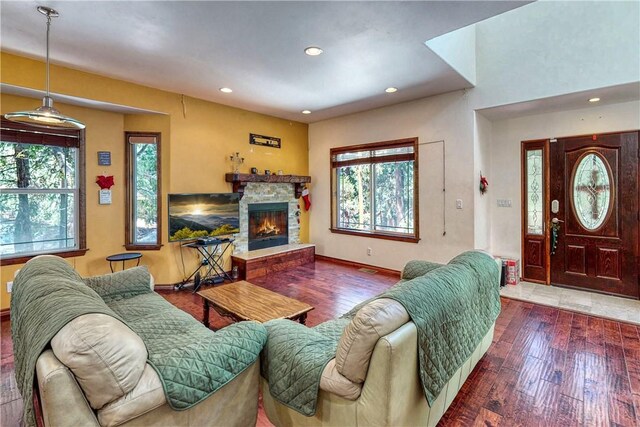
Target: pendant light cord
(48, 29)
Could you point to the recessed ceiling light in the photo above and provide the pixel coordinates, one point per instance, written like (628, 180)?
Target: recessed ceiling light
(306, 112)
(226, 90)
(313, 51)
(391, 89)
(594, 100)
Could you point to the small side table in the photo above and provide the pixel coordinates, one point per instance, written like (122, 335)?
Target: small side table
(124, 257)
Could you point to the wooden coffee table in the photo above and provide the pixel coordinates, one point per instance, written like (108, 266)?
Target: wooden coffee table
(244, 301)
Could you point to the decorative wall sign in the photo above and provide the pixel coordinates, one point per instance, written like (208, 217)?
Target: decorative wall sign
(105, 197)
(104, 158)
(266, 141)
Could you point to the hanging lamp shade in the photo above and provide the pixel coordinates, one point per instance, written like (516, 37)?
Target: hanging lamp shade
(46, 116)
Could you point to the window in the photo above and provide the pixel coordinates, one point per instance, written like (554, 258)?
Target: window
(143, 191)
(41, 192)
(374, 190)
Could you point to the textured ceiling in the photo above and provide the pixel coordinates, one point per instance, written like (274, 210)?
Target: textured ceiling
(256, 48)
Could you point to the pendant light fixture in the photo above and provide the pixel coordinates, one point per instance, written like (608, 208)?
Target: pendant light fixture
(46, 116)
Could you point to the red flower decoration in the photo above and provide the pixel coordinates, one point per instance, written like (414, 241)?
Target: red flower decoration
(105, 182)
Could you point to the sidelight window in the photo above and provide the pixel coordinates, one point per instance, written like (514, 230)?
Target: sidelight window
(143, 190)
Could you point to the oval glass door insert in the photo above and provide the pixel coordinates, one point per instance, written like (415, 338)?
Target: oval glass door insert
(591, 191)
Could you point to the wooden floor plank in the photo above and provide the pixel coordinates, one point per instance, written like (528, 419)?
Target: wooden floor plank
(568, 412)
(553, 370)
(595, 336)
(631, 350)
(486, 418)
(502, 392)
(573, 373)
(596, 411)
(529, 376)
(545, 403)
(563, 330)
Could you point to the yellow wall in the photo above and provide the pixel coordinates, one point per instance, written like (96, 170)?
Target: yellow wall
(195, 149)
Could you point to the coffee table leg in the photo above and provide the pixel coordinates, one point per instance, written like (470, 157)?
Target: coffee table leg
(303, 318)
(205, 312)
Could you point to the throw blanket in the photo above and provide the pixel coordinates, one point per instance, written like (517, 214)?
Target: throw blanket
(294, 358)
(452, 307)
(192, 362)
(47, 294)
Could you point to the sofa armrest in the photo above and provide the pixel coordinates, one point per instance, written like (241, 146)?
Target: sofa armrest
(121, 284)
(418, 268)
(292, 362)
(63, 403)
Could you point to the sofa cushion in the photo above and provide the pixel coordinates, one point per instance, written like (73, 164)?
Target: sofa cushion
(376, 319)
(106, 357)
(334, 382)
(147, 395)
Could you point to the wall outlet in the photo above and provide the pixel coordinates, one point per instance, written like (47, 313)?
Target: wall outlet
(458, 203)
(504, 203)
(9, 286)
(369, 251)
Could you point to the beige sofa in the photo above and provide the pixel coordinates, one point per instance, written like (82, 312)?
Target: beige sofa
(64, 404)
(96, 373)
(374, 378)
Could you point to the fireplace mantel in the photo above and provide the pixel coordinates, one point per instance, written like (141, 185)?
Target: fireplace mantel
(240, 181)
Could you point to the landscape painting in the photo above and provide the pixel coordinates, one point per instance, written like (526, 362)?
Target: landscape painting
(193, 216)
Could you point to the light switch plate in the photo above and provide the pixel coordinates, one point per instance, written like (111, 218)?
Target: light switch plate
(504, 203)
(9, 286)
(458, 203)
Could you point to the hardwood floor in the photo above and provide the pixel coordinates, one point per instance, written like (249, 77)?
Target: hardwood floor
(545, 367)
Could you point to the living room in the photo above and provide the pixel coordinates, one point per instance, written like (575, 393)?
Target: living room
(460, 113)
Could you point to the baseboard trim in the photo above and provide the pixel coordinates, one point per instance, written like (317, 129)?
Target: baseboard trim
(5, 314)
(164, 287)
(381, 270)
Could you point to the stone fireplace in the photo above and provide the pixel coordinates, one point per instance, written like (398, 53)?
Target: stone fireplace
(268, 225)
(268, 195)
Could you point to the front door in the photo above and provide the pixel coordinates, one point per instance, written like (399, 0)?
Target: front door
(593, 193)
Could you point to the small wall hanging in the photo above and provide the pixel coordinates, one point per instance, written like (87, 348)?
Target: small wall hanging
(105, 183)
(484, 184)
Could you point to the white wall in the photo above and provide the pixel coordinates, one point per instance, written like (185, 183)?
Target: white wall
(482, 164)
(549, 48)
(445, 117)
(505, 158)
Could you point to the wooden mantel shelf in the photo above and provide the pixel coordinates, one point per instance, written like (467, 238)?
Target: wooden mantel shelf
(240, 181)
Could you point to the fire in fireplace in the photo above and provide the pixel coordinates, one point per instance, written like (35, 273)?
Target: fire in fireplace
(268, 225)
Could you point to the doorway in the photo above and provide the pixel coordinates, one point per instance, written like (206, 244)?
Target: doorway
(580, 212)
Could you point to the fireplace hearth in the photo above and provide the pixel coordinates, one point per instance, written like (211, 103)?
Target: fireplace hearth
(268, 225)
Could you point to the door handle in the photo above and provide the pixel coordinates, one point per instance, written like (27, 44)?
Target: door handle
(555, 230)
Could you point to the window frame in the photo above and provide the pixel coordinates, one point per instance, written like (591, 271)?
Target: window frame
(130, 243)
(334, 164)
(21, 133)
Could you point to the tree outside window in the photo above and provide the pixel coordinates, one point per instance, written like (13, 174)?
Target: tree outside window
(41, 193)
(374, 190)
(143, 191)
